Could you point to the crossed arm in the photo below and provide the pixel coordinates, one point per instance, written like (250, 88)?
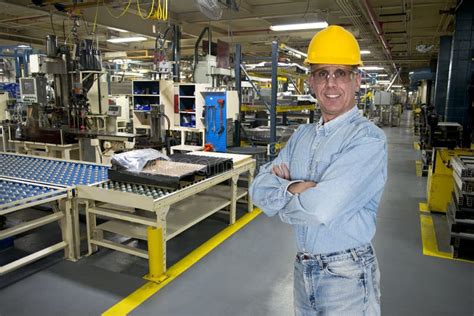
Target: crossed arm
(283, 172)
(353, 179)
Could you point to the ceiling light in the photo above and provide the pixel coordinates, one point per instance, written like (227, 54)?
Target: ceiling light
(371, 68)
(116, 29)
(299, 26)
(24, 46)
(383, 81)
(365, 52)
(382, 75)
(127, 39)
(397, 86)
(293, 51)
(128, 73)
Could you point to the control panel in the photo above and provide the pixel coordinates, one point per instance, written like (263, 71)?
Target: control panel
(114, 110)
(33, 90)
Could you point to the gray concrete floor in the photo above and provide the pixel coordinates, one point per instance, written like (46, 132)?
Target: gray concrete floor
(251, 273)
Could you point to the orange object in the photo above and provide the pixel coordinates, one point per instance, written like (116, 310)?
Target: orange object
(208, 147)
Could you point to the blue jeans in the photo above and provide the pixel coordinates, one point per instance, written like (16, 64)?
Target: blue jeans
(341, 283)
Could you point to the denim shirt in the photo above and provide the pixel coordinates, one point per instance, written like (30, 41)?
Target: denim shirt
(347, 158)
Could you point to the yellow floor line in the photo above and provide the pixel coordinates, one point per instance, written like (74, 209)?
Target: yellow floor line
(428, 236)
(423, 207)
(418, 168)
(146, 291)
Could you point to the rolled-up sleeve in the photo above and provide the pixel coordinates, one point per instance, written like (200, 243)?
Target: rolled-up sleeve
(352, 180)
(268, 191)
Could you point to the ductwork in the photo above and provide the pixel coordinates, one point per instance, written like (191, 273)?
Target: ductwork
(378, 29)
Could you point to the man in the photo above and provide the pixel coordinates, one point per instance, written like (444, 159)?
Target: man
(327, 183)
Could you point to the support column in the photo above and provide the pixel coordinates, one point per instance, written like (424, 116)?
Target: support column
(442, 71)
(460, 66)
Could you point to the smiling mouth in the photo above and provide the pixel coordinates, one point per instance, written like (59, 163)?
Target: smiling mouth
(332, 96)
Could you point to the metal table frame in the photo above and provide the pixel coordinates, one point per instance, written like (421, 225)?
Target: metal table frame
(61, 214)
(162, 218)
(68, 204)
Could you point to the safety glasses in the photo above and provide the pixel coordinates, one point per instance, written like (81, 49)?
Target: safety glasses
(340, 75)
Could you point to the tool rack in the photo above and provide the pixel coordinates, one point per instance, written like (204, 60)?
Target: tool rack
(157, 214)
(27, 181)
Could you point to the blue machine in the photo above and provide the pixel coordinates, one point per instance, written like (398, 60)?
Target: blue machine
(215, 115)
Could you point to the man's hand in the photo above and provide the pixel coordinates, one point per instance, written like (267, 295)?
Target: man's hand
(300, 187)
(281, 171)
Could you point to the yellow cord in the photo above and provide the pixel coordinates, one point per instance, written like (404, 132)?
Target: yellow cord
(149, 13)
(165, 11)
(122, 13)
(95, 18)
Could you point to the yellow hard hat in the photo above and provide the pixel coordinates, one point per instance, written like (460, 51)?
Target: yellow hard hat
(335, 46)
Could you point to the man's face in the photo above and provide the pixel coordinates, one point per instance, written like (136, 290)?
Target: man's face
(335, 87)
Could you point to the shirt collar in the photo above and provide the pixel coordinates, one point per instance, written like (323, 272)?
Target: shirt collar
(332, 125)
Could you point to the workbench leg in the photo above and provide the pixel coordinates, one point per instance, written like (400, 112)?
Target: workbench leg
(91, 224)
(81, 148)
(67, 227)
(233, 199)
(67, 154)
(249, 182)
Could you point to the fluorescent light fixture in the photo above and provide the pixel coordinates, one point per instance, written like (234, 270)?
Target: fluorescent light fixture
(127, 39)
(371, 68)
(117, 29)
(383, 81)
(411, 73)
(293, 51)
(382, 75)
(299, 26)
(128, 73)
(397, 86)
(121, 61)
(24, 46)
(364, 52)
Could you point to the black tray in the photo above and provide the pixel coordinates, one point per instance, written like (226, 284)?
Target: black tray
(214, 165)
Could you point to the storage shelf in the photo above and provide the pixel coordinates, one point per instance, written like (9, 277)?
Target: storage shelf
(145, 95)
(181, 216)
(280, 108)
(194, 209)
(133, 230)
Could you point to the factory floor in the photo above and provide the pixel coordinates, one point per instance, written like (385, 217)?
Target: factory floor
(250, 273)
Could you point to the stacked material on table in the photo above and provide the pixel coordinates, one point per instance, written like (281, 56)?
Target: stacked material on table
(460, 213)
(176, 172)
(212, 165)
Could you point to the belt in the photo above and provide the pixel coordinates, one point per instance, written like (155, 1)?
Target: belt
(301, 256)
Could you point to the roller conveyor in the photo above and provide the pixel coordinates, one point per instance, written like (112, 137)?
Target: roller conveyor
(17, 194)
(53, 171)
(154, 192)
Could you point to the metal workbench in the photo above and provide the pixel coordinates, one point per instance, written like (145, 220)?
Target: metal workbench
(156, 214)
(28, 181)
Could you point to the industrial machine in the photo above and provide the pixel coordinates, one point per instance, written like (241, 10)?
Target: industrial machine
(440, 178)
(460, 213)
(220, 111)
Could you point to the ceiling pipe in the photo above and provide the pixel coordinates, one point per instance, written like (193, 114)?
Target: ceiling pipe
(378, 29)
